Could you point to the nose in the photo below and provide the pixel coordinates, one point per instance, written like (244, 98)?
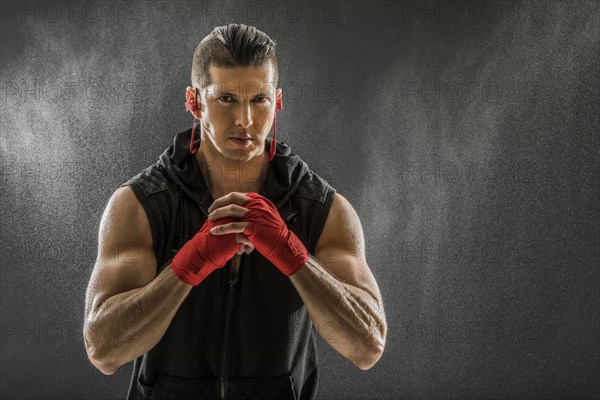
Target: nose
(245, 116)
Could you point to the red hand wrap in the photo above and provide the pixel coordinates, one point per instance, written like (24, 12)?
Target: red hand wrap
(271, 237)
(204, 253)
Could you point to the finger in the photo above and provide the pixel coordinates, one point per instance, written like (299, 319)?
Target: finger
(231, 210)
(241, 238)
(232, 227)
(231, 198)
(245, 249)
(247, 244)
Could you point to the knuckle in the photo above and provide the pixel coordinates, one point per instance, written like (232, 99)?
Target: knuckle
(240, 210)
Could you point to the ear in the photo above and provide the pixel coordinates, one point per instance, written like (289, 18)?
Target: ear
(191, 102)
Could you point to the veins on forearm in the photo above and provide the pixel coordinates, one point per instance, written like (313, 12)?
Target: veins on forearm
(122, 327)
(354, 308)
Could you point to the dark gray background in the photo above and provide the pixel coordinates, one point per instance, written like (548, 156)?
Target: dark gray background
(464, 134)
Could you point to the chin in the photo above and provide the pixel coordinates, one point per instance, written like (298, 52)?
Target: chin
(242, 154)
(239, 155)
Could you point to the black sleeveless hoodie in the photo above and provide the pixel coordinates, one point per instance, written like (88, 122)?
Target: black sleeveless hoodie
(248, 338)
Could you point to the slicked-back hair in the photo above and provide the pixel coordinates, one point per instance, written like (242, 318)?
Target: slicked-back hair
(232, 45)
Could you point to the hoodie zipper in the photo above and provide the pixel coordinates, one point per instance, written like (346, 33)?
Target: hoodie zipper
(225, 353)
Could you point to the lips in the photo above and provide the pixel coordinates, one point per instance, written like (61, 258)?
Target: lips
(241, 142)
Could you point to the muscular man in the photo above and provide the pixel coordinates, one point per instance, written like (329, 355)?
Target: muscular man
(216, 262)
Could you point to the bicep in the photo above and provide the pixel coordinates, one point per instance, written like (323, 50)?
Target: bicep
(341, 248)
(126, 258)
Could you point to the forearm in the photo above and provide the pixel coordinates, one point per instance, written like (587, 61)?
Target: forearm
(358, 319)
(129, 324)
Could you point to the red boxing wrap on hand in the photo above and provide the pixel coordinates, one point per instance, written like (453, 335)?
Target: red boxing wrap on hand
(271, 237)
(204, 253)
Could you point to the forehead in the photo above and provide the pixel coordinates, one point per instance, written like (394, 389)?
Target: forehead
(241, 80)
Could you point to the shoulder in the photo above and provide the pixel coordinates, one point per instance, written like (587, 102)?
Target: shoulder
(151, 180)
(342, 227)
(315, 187)
(124, 220)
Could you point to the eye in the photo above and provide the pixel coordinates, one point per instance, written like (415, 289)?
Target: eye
(224, 98)
(229, 99)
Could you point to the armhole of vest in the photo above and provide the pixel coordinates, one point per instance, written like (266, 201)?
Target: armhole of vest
(322, 217)
(139, 193)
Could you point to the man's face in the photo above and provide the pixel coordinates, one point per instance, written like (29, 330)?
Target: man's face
(240, 103)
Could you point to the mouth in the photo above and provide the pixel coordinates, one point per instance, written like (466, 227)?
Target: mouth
(242, 141)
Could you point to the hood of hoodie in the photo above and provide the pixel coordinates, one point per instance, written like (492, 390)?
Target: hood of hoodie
(286, 171)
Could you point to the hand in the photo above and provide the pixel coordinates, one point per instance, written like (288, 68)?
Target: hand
(204, 253)
(235, 211)
(263, 225)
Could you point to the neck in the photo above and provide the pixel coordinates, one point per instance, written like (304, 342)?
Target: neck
(224, 176)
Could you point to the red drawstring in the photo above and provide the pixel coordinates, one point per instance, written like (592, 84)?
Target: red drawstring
(192, 150)
(273, 141)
